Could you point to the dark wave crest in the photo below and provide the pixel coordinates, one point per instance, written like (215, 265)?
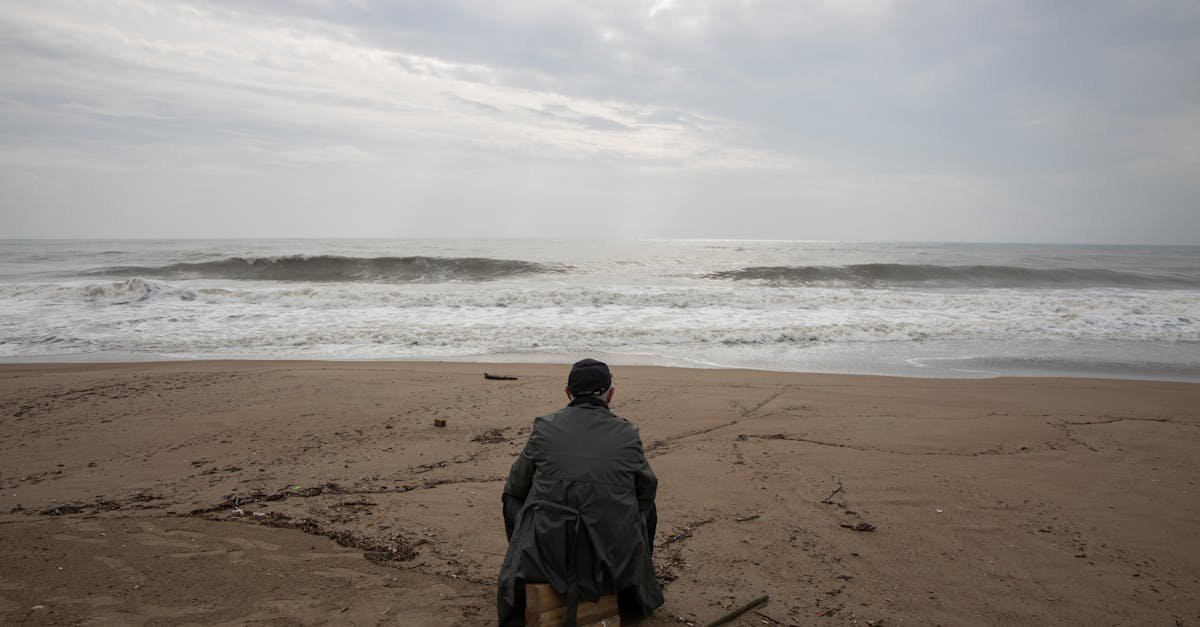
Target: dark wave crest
(871, 275)
(333, 268)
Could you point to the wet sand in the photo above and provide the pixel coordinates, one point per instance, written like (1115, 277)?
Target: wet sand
(323, 492)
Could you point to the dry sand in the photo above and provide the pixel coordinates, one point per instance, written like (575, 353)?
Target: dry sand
(317, 492)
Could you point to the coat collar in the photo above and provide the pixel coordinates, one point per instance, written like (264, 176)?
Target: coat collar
(592, 401)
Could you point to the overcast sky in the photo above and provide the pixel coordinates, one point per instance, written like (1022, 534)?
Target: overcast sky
(1025, 121)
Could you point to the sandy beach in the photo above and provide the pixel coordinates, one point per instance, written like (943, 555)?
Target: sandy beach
(322, 492)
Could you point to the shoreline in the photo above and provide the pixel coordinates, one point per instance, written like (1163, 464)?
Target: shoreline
(260, 486)
(616, 360)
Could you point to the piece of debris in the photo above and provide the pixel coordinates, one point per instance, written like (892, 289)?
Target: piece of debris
(62, 510)
(839, 490)
(491, 436)
(438, 422)
(862, 526)
(739, 611)
(684, 533)
(766, 617)
(498, 377)
(746, 518)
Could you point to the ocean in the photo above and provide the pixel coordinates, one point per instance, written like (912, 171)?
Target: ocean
(906, 309)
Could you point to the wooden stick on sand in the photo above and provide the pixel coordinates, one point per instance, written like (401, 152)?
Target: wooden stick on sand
(739, 611)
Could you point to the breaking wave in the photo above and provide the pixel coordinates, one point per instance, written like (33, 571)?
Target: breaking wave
(122, 292)
(333, 268)
(880, 275)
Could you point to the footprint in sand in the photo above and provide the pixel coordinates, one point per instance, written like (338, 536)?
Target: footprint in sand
(251, 545)
(66, 537)
(153, 535)
(119, 566)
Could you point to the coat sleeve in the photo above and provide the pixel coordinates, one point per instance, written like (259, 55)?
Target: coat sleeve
(520, 476)
(645, 483)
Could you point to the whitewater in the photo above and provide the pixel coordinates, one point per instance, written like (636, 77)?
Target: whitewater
(907, 309)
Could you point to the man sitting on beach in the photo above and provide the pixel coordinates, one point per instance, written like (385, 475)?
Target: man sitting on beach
(579, 505)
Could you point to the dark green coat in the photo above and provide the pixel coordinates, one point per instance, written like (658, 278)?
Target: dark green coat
(586, 485)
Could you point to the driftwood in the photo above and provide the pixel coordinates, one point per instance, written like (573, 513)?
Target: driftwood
(739, 611)
(498, 377)
(829, 499)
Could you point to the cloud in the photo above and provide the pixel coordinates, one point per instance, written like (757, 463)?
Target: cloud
(930, 120)
(216, 69)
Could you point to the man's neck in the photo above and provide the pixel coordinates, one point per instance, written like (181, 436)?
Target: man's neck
(587, 400)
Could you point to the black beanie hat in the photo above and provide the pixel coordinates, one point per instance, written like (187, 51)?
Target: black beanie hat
(588, 377)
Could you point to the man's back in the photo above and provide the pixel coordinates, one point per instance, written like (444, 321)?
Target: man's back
(584, 443)
(586, 496)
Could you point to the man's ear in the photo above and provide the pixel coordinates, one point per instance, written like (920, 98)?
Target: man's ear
(608, 399)
(567, 391)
